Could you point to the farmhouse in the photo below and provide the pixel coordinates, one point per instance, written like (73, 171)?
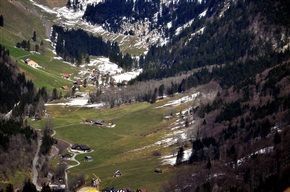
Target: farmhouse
(111, 124)
(158, 170)
(78, 83)
(65, 87)
(118, 173)
(99, 122)
(88, 121)
(77, 87)
(88, 158)
(81, 148)
(141, 190)
(37, 117)
(31, 63)
(65, 76)
(66, 156)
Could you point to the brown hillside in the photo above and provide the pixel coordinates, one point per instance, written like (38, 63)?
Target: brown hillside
(52, 3)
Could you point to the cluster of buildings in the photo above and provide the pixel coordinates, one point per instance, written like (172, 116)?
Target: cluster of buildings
(98, 122)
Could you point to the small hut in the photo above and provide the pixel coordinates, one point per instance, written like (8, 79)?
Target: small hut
(118, 173)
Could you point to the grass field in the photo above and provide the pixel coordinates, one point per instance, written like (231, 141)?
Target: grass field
(20, 26)
(137, 125)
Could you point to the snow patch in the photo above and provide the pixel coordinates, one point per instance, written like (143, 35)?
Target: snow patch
(44, 8)
(181, 28)
(180, 101)
(105, 66)
(261, 151)
(127, 76)
(202, 14)
(171, 159)
(77, 102)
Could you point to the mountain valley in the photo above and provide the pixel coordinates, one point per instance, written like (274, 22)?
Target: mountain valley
(144, 95)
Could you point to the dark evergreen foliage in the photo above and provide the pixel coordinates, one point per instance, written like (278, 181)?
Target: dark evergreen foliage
(1, 21)
(76, 45)
(12, 85)
(46, 188)
(29, 186)
(225, 40)
(24, 45)
(34, 36)
(9, 188)
(180, 155)
(11, 127)
(16, 94)
(47, 142)
(111, 13)
(230, 111)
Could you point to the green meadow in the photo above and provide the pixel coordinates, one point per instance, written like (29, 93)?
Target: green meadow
(122, 147)
(126, 147)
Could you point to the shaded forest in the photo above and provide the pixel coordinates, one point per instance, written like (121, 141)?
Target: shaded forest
(76, 46)
(225, 40)
(112, 13)
(17, 139)
(246, 125)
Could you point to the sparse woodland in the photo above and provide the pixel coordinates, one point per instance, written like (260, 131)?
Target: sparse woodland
(245, 118)
(17, 139)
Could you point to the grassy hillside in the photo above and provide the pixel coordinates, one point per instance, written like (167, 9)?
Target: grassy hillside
(137, 126)
(20, 26)
(53, 3)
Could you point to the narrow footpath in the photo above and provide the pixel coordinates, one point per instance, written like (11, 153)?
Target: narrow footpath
(34, 168)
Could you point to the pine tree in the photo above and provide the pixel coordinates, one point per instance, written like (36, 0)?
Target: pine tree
(42, 48)
(34, 36)
(154, 96)
(186, 122)
(85, 83)
(36, 47)
(28, 46)
(46, 188)
(87, 59)
(208, 165)
(47, 140)
(9, 188)
(1, 21)
(161, 91)
(29, 186)
(277, 138)
(68, 4)
(54, 94)
(180, 155)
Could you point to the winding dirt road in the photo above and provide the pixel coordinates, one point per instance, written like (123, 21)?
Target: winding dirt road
(34, 166)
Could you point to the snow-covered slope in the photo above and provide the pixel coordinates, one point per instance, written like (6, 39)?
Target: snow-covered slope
(134, 35)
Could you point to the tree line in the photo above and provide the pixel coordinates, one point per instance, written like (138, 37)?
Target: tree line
(159, 14)
(236, 75)
(19, 99)
(14, 86)
(28, 186)
(27, 45)
(224, 40)
(1, 21)
(242, 126)
(75, 45)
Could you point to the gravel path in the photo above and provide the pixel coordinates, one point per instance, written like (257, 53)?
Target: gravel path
(34, 168)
